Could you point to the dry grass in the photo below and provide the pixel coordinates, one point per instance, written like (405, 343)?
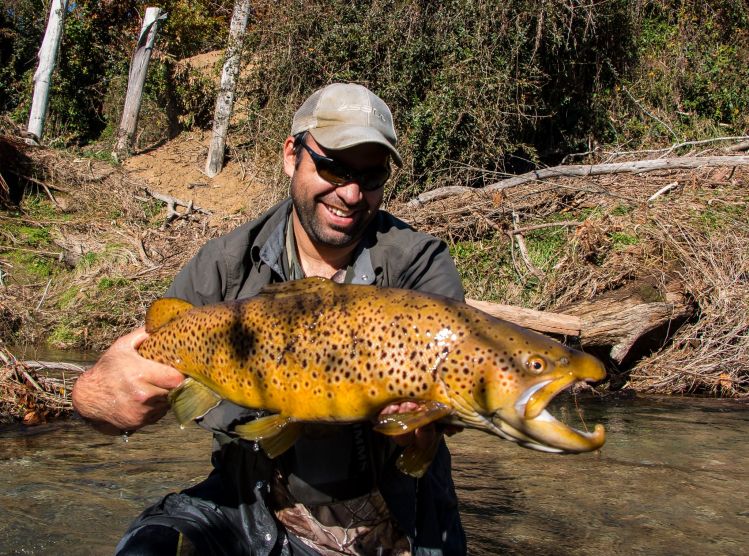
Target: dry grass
(29, 395)
(108, 252)
(117, 257)
(694, 240)
(712, 355)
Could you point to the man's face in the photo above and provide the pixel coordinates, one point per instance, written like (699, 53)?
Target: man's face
(333, 216)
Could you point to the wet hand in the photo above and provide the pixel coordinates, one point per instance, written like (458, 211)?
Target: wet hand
(124, 391)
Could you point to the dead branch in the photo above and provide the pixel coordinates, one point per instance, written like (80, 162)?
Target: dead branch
(172, 203)
(518, 237)
(662, 190)
(586, 170)
(533, 227)
(540, 321)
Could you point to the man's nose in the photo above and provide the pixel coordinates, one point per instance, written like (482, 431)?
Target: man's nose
(349, 192)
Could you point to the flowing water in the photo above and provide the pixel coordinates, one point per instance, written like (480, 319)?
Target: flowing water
(673, 478)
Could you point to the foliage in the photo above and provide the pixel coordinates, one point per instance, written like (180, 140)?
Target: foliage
(691, 73)
(94, 62)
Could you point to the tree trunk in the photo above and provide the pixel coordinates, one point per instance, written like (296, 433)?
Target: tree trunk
(225, 99)
(43, 75)
(617, 322)
(136, 80)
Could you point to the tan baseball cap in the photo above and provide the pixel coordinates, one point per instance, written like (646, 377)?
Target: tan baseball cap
(343, 115)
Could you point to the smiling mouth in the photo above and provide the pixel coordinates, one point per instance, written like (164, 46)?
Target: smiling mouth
(340, 213)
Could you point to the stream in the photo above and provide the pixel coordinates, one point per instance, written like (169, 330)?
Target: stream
(673, 478)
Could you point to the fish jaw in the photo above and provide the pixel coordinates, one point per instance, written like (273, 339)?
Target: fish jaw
(529, 423)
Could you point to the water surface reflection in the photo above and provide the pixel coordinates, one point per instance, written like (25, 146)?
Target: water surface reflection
(672, 479)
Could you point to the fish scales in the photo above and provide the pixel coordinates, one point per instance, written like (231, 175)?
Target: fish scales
(329, 356)
(316, 351)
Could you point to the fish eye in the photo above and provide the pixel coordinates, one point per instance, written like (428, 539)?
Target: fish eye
(536, 364)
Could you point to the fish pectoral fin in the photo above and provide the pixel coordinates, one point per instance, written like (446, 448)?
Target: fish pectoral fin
(275, 433)
(415, 461)
(400, 423)
(192, 400)
(163, 311)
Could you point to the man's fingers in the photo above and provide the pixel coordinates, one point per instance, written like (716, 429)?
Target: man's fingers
(151, 372)
(161, 376)
(402, 407)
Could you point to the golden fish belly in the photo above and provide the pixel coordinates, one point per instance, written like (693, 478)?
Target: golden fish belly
(331, 390)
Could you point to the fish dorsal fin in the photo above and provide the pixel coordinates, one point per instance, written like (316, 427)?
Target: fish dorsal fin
(295, 287)
(163, 311)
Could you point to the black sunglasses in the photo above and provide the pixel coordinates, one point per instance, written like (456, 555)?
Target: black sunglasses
(338, 174)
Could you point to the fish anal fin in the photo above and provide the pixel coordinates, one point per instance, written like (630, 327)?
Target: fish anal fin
(163, 311)
(192, 400)
(415, 461)
(400, 423)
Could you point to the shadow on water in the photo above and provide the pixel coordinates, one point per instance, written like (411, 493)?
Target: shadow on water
(671, 479)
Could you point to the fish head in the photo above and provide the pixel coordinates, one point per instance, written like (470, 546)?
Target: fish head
(522, 378)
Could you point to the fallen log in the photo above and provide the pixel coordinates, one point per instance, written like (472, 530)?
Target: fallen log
(617, 322)
(584, 170)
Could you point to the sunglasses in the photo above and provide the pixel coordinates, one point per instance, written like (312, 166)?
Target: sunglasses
(338, 174)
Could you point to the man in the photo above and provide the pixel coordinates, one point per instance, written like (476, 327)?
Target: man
(337, 490)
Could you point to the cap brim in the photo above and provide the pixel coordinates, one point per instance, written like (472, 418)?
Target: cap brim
(344, 136)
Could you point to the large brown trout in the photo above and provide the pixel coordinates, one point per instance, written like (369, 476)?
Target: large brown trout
(317, 351)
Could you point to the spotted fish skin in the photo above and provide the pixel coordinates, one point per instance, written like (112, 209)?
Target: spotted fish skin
(316, 351)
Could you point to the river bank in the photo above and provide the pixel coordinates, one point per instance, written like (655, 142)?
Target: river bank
(86, 246)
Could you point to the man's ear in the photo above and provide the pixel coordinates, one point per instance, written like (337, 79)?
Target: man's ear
(289, 157)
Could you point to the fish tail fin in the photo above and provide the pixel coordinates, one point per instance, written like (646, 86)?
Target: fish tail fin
(163, 311)
(277, 445)
(191, 400)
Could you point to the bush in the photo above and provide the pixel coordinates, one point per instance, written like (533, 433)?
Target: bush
(475, 87)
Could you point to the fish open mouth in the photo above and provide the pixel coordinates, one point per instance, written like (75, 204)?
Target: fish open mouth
(534, 427)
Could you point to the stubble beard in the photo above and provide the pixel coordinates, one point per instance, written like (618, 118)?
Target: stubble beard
(318, 233)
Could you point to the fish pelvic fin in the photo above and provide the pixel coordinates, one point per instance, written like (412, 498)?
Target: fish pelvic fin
(192, 400)
(278, 444)
(163, 311)
(415, 461)
(274, 433)
(400, 423)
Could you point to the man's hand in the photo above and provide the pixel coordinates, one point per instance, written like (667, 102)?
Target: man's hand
(124, 391)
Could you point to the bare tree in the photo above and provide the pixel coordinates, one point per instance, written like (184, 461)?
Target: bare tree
(225, 99)
(43, 75)
(136, 80)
